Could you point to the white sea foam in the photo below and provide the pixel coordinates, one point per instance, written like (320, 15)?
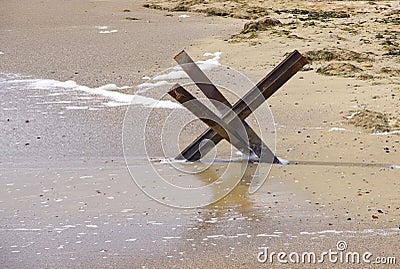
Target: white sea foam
(77, 107)
(184, 16)
(171, 237)
(214, 61)
(21, 230)
(109, 91)
(352, 115)
(150, 102)
(104, 30)
(1, 53)
(336, 129)
(154, 84)
(147, 102)
(325, 232)
(283, 161)
(126, 210)
(56, 94)
(384, 232)
(108, 32)
(83, 177)
(177, 72)
(69, 226)
(268, 235)
(241, 156)
(54, 102)
(215, 236)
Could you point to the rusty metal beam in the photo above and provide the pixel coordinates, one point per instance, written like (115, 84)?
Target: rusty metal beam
(251, 101)
(212, 93)
(201, 80)
(226, 131)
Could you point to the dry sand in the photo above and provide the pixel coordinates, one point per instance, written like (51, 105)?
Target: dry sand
(67, 199)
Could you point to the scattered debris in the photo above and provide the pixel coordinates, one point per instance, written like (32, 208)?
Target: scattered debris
(253, 28)
(132, 19)
(335, 54)
(214, 11)
(394, 52)
(307, 68)
(260, 25)
(391, 71)
(340, 69)
(373, 121)
(234, 9)
(315, 14)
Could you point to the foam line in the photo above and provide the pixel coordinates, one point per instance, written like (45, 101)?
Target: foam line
(177, 72)
(108, 32)
(109, 91)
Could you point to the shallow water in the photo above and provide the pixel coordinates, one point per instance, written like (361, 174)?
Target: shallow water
(67, 196)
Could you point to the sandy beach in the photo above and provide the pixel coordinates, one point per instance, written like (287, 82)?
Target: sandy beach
(70, 69)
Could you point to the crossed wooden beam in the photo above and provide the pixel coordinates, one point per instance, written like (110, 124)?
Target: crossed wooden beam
(226, 127)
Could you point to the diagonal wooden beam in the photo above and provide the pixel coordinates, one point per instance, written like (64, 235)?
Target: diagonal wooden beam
(211, 92)
(227, 131)
(252, 100)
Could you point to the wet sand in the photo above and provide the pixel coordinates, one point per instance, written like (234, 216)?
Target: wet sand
(68, 200)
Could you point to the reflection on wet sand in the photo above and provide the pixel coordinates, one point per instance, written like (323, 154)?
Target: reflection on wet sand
(238, 204)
